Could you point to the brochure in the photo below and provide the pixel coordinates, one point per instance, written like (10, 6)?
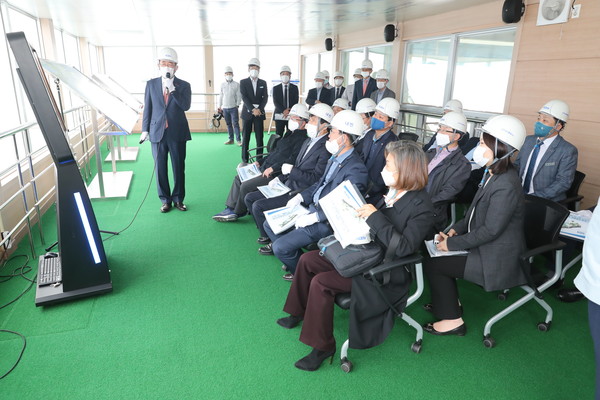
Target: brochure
(283, 218)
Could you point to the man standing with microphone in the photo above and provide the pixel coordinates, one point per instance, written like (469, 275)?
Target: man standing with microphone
(166, 100)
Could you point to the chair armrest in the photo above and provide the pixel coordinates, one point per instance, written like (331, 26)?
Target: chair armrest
(412, 259)
(568, 200)
(542, 249)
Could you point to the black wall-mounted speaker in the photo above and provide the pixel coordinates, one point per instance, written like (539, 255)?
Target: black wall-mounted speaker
(328, 44)
(389, 33)
(512, 10)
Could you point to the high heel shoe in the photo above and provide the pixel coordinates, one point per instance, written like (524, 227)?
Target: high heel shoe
(289, 322)
(458, 331)
(314, 359)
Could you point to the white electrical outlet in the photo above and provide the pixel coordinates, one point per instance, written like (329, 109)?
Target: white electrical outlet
(575, 11)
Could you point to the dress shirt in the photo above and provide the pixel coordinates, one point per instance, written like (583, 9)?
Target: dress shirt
(541, 153)
(313, 141)
(439, 157)
(230, 95)
(254, 85)
(335, 162)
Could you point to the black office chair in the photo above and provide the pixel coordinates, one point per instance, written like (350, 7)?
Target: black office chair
(543, 220)
(408, 136)
(271, 144)
(573, 200)
(414, 263)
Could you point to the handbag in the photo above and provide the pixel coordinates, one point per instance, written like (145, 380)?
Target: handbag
(355, 258)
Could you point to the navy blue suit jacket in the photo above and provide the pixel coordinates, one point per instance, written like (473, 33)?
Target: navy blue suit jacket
(308, 169)
(156, 113)
(358, 91)
(249, 98)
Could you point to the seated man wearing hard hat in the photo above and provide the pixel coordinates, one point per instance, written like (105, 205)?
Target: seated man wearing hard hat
(319, 94)
(456, 106)
(547, 162)
(340, 105)
(382, 91)
(366, 109)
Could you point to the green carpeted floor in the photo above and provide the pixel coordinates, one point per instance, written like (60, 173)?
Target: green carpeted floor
(192, 316)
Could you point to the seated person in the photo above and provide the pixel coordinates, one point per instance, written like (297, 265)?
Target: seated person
(339, 105)
(406, 210)
(366, 109)
(344, 164)
(547, 162)
(492, 230)
(374, 144)
(307, 169)
(448, 168)
(286, 151)
(452, 105)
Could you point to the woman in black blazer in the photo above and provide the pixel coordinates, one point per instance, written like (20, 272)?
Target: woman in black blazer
(405, 209)
(492, 230)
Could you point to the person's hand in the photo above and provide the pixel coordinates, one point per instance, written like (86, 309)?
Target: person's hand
(294, 201)
(170, 86)
(286, 112)
(286, 168)
(143, 137)
(267, 172)
(451, 233)
(256, 163)
(440, 241)
(220, 110)
(256, 112)
(366, 210)
(306, 220)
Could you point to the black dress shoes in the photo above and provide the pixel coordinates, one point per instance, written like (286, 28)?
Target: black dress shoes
(458, 331)
(289, 322)
(266, 250)
(180, 206)
(313, 361)
(569, 295)
(165, 207)
(263, 240)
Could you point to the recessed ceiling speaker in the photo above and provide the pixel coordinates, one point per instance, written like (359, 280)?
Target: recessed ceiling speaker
(328, 44)
(389, 33)
(512, 11)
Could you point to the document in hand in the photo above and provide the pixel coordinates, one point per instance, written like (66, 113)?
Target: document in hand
(340, 208)
(281, 117)
(248, 172)
(576, 224)
(434, 252)
(273, 189)
(283, 218)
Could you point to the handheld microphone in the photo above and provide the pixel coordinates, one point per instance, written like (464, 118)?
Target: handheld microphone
(168, 75)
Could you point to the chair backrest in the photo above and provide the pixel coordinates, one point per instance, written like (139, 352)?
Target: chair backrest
(408, 136)
(272, 143)
(543, 220)
(577, 180)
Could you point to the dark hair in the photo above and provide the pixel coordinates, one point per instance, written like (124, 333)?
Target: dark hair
(411, 161)
(502, 149)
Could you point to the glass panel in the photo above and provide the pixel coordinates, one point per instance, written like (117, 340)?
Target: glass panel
(237, 58)
(131, 67)
(482, 70)
(311, 67)
(425, 76)
(21, 22)
(271, 60)
(381, 57)
(350, 60)
(71, 50)
(93, 50)
(59, 51)
(8, 102)
(327, 63)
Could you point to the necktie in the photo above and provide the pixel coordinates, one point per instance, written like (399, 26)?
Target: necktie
(365, 86)
(166, 97)
(337, 93)
(285, 96)
(531, 166)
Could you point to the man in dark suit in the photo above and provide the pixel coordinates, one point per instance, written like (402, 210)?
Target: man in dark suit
(319, 94)
(254, 99)
(166, 100)
(364, 87)
(382, 91)
(338, 89)
(285, 96)
(547, 162)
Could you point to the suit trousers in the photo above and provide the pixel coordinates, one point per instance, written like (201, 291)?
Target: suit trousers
(288, 245)
(312, 296)
(232, 119)
(257, 123)
(257, 204)
(442, 273)
(594, 320)
(239, 190)
(281, 127)
(161, 152)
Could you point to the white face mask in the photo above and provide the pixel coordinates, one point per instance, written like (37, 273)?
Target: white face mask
(442, 140)
(228, 78)
(332, 146)
(380, 85)
(338, 82)
(365, 74)
(478, 156)
(293, 125)
(253, 73)
(311, 130)
(388, 177)
(285, 78)
(167, 72)
(318, 84)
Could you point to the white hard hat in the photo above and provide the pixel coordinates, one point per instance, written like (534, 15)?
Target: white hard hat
(341, 103)
(557, 108)
(507, 129)
(300, 110)
(389, 107)
(455, 121)
(167, 54)
(322, 110)
(228, 69)
(382, 74)
(367, 64)
(349, 122)
(319, 75)
(254, 61)
(357, 71)
(325, 72)
(365, 105)
(286, 68)
(338, 73)
(454, 105)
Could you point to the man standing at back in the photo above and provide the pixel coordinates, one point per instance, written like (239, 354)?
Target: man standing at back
(229, 101)
(254, 98)
(166, 100)
(285, 96)
(365, 86)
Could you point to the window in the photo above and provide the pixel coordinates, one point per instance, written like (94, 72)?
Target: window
(326, 63)
(93, 50)
(381, 56)
(131, 67)
(350, 60)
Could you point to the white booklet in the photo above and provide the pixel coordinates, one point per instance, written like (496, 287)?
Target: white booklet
(576, 224)
(273, 189)
(281, 117)
(434, 252)
(340, 208)
(283, 218)
(248, 172)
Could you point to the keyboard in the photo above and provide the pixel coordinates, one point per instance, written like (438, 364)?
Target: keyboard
(49, 271)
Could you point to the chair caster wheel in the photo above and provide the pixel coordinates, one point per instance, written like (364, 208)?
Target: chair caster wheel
(502, 296)
(416, 346)
(346, 365)
(489, 342)
(544, 326)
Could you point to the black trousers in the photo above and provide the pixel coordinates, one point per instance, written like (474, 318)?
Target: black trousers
(239, 190)
(281, 127)
(257, 204)
(257, 123)
(441, 273)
